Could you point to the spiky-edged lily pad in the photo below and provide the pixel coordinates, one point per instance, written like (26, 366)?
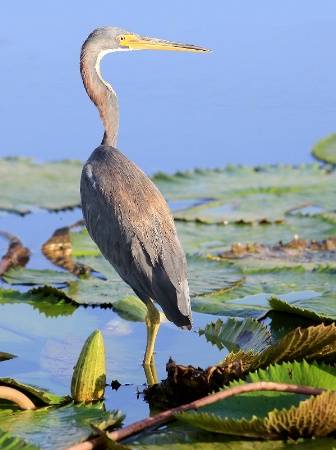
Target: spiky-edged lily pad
(297, 252)
(216, 239)
(33, 277)
(48, 300)
(5, 356)
(27, 185)
(315, 343)
(325, 149)
(315, 308)
(250, 298)
(213, 238)
(45, 397)
(274, 415)
(248, 195)
(53, 427)
(237, 335)
(8, 442)
(131, 308)
(205, 278)
(182, 436)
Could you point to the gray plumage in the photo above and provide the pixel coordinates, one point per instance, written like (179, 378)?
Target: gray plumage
(132, 226)
(125, 213)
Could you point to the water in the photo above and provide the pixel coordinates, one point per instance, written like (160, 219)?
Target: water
(266, 94)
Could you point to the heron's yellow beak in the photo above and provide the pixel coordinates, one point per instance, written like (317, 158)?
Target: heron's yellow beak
(136, 42)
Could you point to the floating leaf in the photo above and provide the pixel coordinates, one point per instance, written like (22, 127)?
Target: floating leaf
(205, 277)
(7, 442)
(216, 239)
(324, 304)
(250, 299)
(48, 300)
(131, 308)
(182, 436)
(248, 195)
(33, 276)
(237, 335)
(298, 252)
(55, 428)
(313, 418)
(325, 149)
(26, 185)
(258, 418)
(5, 356)
(312, 343)
(31, 391)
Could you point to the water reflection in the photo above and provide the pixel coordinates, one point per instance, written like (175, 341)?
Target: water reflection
(47, 349)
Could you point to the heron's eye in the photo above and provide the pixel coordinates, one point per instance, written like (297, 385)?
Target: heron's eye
(120, 38)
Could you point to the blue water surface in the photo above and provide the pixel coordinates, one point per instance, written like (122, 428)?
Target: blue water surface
(265, 95)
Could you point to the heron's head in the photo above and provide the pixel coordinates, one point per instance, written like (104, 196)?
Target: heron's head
(117, 39)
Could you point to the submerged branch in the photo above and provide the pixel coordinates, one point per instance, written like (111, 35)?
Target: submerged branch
(168, 415)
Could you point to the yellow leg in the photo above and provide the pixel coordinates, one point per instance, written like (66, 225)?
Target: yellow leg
(152, 324)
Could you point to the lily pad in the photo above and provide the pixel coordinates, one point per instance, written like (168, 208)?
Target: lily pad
(53, 427)
(205, 278)
(48, 300)
(237, 335)
(131, 308)
(35, 277)
(31, 391)
(27, 185)
(250, 299)
(7, 442)
(315, 309)
(325, 149)
(315, 343)
(297, 252)
(6, 356)
(248, 195)
(215, 238)
(182, 436)
(258, 418)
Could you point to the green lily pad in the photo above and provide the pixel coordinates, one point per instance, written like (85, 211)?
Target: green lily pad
(131, 308)
(315, 343)
(325, 149)
(7, 442)
(250, 299)
(182, 436)
(31, 391)
(258, 416)
(297, 252)
(48, 300)
(315, 308)
(27, 185)
(25, 276)
(53, 427)
(82, 244)
(205, 278)
(213, 238)
(237, 335)
(5, 356)
(248, 195)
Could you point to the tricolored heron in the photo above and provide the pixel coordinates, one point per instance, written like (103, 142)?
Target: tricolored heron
(125, 213)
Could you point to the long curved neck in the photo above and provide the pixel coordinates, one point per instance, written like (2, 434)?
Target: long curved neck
(99, 91)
